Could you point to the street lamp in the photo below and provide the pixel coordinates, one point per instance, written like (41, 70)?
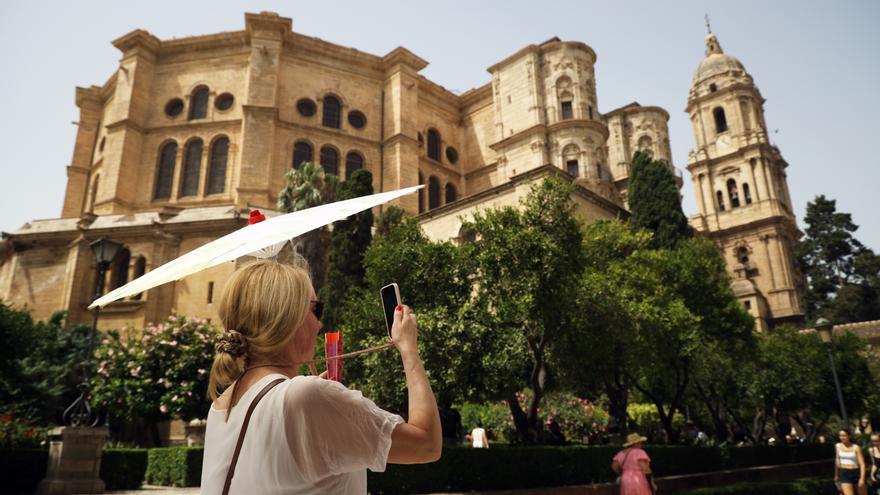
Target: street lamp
(826, 330)
(80, 412)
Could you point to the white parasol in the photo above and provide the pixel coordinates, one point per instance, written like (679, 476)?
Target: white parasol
(250, 239)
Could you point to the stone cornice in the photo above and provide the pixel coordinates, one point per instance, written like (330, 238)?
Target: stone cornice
(124, 124)
(541, 49)
(327, 133)
(196, 125)
(403, 57)
(732, 88)
(477, 96)
(576, 123)
(88, 97)
(635, 107)
(138, 42)
(267, 23)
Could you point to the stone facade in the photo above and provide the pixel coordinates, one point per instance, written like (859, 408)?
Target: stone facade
(189, 134)
(742, 194)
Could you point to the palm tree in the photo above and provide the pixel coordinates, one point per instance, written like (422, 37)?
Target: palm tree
(307, 186)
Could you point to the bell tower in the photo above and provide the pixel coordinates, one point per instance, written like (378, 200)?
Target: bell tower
(742, 194)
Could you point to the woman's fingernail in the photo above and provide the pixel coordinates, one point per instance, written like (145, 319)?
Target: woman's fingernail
(399, 308)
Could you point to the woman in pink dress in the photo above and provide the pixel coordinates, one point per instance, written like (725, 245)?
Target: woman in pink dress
(633, 465)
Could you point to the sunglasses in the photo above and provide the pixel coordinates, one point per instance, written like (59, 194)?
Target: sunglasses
(318, 309)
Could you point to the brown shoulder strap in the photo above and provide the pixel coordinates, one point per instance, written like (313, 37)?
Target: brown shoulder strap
(244, 425)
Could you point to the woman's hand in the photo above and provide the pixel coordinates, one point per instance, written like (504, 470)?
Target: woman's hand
(404, 330)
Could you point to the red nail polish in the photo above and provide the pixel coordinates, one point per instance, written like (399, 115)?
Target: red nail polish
(399, 308)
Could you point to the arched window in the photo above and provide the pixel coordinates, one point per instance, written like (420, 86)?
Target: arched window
(330, 160)
(433, 144)
(353, 162)
(332, 112)
(742, 254)
(421, 194)
(747, 194)
(189, 183)
(120, 268)
(198, 103)
(570, 157)
(165, 172)
(302, 152)
(433, 193)
(720, 120)
(466, 235)
(567, 108)
(565, 97)
(217, 168)
(733, 193)
(140, 267)
(720, 196)
(451, 193)
(599, 171)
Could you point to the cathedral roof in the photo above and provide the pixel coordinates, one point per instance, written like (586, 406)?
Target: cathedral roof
(716, 61)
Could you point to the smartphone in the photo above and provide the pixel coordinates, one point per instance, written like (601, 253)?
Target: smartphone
(390, 295)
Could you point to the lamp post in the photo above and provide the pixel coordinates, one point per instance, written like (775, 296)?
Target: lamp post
(826, 329)
(80, 413)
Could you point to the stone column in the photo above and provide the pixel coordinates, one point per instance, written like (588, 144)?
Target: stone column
(74, 461)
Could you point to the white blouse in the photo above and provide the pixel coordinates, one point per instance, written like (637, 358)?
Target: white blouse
(308, 435)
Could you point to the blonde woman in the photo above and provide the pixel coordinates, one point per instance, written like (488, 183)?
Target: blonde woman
(305, 434)
(849, 465)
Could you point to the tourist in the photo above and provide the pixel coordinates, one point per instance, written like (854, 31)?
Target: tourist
(633, 466)
(307, 434)
(450, 424)
(849, 466)
(874, 454)
(478, 437)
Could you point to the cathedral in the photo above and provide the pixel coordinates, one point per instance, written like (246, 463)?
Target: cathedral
(188, 135)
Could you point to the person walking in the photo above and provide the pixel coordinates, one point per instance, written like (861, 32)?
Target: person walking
(874, 454)
(849, 465)
(308, 435)
(633, 467)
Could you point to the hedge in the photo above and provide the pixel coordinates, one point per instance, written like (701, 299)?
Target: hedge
(123, 469)
(175, 466)
(462, 469)
(22, 469)
(808, 486)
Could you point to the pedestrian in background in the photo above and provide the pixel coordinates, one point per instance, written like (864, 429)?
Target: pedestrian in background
(633, 467)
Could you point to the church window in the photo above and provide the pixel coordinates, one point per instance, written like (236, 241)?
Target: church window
(357, 119)
(140, 267)
(224, 102)
(747, 194)
(434, 144)
(590, 109)
(433, 193)
(306, 107)
(189, 184)
(353, 162)
(165, 172)
(198, 103)
(646, 144)
(713, 88)
(330, 160)
(720, 120)
(119, 271)
(421, 194)
(217, 170)
(332, 111)
(599, 171)
(733, 193)
(174, 107)
(720, 196)
(302, 152)
(451, 155)
(572, 167)
(210, 292)
(742, 254)
(102, 143)
(451, 193)
(466, 235)
(748, 304)
(567, 110)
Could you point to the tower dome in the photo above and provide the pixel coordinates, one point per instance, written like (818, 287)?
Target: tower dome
(717, 62)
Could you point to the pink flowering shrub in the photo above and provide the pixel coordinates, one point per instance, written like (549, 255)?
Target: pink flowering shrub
(161, 373)
(579, 419)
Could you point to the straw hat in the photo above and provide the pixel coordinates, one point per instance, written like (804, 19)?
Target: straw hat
(634, 438)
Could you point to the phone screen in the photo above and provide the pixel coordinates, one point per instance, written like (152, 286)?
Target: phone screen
(390, 300)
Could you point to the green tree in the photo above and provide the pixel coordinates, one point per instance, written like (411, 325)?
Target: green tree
(305, 187)
(348, 242)
(841, 272)
(527, 265)
(41, 364)
(461, 356)
(655, 202)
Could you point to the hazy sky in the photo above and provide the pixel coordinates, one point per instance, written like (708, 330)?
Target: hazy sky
(816, 63)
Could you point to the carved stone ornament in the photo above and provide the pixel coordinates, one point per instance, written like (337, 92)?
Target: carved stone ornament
(536, 146)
